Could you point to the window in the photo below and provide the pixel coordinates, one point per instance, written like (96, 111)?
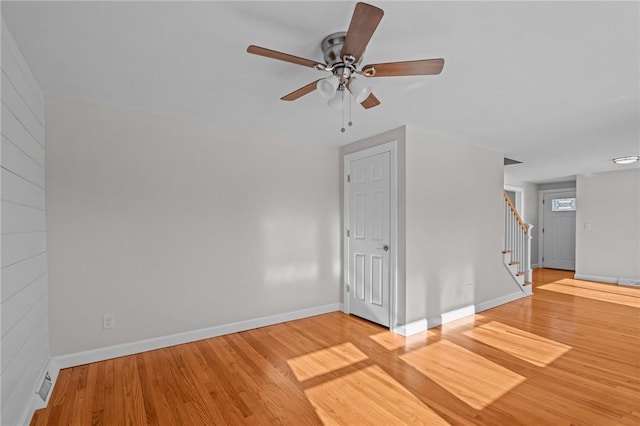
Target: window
(563, 205)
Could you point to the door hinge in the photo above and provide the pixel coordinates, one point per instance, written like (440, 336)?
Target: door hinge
(543, 230)
(348, 288)
(543, 201)
(348, 178)
(348, 233)
(543, 258)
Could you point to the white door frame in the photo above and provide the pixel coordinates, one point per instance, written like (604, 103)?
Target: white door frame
(519, 202)
(541, 194)
(391, 148)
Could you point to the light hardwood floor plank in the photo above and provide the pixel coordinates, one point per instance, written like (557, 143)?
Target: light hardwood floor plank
(570, 357)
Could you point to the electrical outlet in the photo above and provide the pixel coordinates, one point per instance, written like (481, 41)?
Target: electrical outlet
(108, 321)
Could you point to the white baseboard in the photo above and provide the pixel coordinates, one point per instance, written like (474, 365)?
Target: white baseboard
(498, 301)
(608, 280)
(629, 282)
(101, 354)
(584, 277)
(535, 266)
(450, 316)
(458, 313)
(423, 324)
(434, 322)
(412, 328)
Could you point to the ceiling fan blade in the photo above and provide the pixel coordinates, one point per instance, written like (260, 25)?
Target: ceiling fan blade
(273, 54)
(370, 102)
(363, 24)
(300, 92)
(395, 69)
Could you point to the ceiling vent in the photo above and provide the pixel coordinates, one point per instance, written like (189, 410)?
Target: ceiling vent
(509, 161)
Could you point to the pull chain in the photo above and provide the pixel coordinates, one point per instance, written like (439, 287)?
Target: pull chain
(350, 122)
(342, 129)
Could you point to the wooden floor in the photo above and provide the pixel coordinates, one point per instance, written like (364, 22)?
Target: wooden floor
(570, 354)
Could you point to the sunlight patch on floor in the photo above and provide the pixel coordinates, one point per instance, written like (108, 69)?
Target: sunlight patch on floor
(468, 376)
(356, 398)
(468, 321)
(527, 346)
(392, 341)
(325, 361)
(607, 288)
(590, 293)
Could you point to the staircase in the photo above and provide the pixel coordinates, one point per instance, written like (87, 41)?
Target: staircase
(517, 247)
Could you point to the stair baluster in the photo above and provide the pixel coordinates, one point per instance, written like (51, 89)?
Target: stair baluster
(517, 250)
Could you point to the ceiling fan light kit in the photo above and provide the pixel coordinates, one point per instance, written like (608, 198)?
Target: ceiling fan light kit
(328, 86)
(359, 89)
(343, 53)
(336, 101)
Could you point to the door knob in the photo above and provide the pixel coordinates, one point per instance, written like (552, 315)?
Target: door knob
(385, 247)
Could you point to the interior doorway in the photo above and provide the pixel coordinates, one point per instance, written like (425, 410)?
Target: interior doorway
(370, 234)
(558, 229)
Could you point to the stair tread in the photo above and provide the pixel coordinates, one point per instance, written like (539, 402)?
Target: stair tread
(520, 274)
(528, 283)
(506, 251)
(514, 263)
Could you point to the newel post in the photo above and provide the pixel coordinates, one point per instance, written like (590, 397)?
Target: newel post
(527, 254)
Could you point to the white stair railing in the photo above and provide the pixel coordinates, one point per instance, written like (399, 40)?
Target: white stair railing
(517, 239)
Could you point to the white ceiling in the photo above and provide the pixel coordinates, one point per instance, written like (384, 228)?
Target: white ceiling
(552, 84)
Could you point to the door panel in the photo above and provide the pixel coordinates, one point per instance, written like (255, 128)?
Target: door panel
(559, 232)
(359, 219)
(359, 276)
(377, 272)
(369, 222)
(377, 209)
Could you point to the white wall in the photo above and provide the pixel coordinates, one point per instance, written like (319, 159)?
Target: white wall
(530, 215)
(23, 292)
(454, 227)
(557, 185)
(610, 203)
(175, 226)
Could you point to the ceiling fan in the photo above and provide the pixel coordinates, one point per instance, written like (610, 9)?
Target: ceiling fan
(343, 54)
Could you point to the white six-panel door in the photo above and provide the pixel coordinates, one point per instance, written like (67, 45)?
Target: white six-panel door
(369, 242)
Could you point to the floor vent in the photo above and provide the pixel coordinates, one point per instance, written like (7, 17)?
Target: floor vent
(45, 387)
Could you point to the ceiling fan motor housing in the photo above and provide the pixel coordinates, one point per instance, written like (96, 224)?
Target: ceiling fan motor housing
(332, 49)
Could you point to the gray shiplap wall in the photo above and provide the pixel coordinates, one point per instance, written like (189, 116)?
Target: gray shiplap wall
(24, 288)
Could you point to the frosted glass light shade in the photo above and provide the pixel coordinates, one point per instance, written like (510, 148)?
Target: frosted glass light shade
(626, 160)
(359, 89)
(336, 101)
(327, 86)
